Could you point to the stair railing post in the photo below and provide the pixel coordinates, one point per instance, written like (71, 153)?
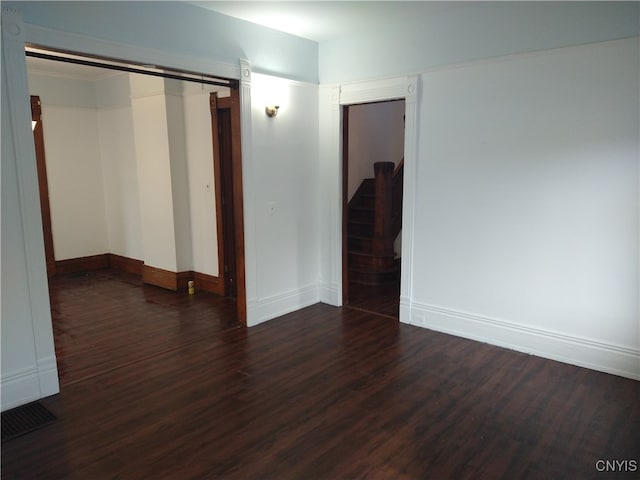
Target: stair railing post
(382, 241)
(396, 208)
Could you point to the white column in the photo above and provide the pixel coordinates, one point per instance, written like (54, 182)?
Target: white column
(158, 123)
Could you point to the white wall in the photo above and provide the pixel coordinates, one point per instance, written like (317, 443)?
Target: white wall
(376, 134)
(526, 225)
(19, 357)
(179, 175)
(201, 179)
(104, 106)
(76, 195)
(28, 360)
(330, 182)
(119, 172)
(151, 139)
(84, 223)
(285, 188)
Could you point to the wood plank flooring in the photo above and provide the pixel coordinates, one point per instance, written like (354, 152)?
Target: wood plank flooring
(380, 299)
(106, 319)
(160, 385)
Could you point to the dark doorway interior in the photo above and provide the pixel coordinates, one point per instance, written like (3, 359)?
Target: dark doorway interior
(373, 173)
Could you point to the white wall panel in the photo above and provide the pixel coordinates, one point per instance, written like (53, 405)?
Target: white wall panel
(76, 194)
(120, 176)
(154, 172)
(28, 362)
(285, 156)
(201, 181)
(527, 205)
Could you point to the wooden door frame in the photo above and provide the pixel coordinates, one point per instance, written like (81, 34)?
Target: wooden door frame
(43, 184)
(345, 204)
(233, 104)
(214, 103)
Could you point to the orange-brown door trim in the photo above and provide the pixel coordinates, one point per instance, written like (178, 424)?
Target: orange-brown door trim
(233, 104)
(217, 181)
(43, 186)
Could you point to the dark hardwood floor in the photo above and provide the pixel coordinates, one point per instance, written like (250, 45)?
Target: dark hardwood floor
(161, 385)
(108, 319)
(380, 299)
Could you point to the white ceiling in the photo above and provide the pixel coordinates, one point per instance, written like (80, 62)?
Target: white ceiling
(324, 20)
(315, 20)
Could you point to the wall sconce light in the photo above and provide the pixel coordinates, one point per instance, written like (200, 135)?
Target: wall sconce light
(272, 111)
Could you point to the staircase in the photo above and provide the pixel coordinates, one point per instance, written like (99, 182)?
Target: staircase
(374, 221)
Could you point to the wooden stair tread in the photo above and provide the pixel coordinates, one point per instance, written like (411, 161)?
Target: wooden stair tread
(363, 269)
(364, 264)
(370, 254)
(362, 207)
(361, 221)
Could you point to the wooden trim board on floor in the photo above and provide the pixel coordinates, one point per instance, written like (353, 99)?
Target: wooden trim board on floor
(176, 281)
(82, 264)
(126, 264)
(208, 283)
(164, 278)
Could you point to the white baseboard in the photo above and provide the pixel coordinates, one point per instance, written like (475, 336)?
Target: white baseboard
(405, 309)
(48, 376)
(330, 294)
(29, 385)
(268, 308)
(609, 358)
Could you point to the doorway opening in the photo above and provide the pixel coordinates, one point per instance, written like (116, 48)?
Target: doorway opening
(62, 70)
(373, 173)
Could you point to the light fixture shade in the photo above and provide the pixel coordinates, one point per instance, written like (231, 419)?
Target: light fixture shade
(272, 111)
